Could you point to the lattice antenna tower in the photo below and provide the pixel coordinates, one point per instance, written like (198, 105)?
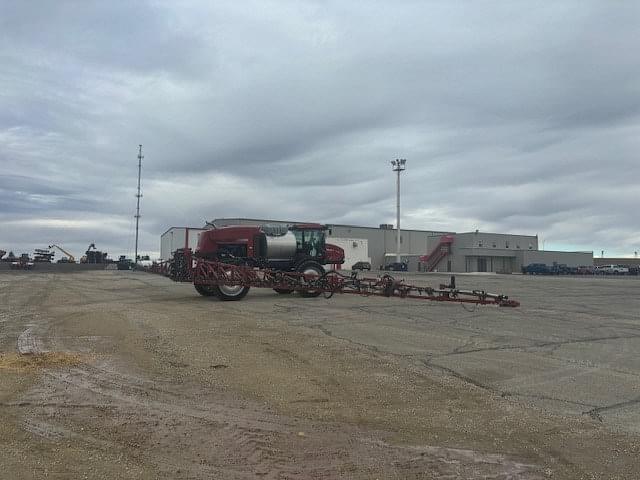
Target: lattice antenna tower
(138, 197)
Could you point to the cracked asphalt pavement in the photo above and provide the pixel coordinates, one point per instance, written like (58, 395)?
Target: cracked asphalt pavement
(139, 377)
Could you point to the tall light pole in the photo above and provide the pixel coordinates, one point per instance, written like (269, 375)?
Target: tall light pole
(398, 166)
(137, 215)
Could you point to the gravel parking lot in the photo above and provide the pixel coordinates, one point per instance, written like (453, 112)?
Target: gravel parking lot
(128, 375)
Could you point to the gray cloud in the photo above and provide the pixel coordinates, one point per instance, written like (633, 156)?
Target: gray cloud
(513, 117)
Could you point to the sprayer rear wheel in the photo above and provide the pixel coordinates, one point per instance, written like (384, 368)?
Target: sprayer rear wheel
(231, 293)
(284, 291)
(207, 290)
(314, 270)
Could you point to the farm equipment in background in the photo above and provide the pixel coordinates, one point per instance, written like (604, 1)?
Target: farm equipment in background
(231, 260)
(70, 258)
(42, 256)
(93, 255)
(22, 263)
(124, 263)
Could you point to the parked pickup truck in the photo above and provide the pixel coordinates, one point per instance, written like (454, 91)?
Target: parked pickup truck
(612, 270)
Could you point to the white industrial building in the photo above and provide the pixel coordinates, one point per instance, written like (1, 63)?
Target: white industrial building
(355, 250)
(422, 250)
(178, 237)
(493, 252)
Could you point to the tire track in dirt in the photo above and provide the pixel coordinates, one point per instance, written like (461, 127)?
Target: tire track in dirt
(183, 429)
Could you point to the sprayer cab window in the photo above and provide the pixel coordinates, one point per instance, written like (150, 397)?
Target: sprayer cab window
(299, 240)
(313, 242)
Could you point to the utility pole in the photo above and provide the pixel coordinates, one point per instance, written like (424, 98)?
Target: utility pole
(398, 166)
(138, 195)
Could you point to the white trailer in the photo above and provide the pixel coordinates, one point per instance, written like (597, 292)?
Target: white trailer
(178, 237)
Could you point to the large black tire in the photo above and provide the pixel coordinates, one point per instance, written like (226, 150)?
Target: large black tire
(310, 267)
(207, 290)
(284, 291)
(232, 293)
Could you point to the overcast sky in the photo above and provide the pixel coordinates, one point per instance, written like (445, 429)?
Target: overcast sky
(520, 117)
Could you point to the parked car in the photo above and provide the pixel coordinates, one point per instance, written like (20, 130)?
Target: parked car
(361, 266)
(560, 269)
(536, 269)
(585, 270)
(396, 267)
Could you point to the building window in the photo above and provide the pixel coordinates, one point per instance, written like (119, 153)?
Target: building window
(518, 246)
(329, 231)
(494, 244)
(480, 244)
(506, 244)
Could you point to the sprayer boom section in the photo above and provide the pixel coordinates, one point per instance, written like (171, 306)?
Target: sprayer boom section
(236, 280)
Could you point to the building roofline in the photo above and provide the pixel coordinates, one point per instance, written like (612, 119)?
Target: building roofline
(343, 225)
(265, 220)
(438, 232)
(491, 249)
(493, 233)
(564, 251)
(257, 220)
(616, 258)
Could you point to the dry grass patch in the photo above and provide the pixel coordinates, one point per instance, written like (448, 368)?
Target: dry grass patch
(16, 362)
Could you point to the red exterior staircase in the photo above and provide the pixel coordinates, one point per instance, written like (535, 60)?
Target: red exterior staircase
(443, 249)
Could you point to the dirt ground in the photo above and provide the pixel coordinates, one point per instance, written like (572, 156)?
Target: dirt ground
(128, 375)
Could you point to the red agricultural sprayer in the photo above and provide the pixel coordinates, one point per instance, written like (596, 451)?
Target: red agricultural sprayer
(230, 260)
